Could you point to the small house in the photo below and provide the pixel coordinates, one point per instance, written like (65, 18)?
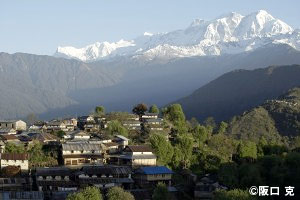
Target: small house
(137, 155)
(82, 153)
(17, 125)
(15, 159)
(150, 176)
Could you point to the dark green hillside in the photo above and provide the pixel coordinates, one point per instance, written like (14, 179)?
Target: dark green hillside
(270, 120)
(233, 93)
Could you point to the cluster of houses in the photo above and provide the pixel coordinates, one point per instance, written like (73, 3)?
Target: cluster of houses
(86, 158)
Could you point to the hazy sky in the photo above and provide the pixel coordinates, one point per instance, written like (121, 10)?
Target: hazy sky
(39, 26)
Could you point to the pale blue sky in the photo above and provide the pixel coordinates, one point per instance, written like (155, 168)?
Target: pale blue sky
(39, 26)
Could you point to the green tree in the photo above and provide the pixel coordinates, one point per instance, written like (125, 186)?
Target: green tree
(260, 146)
(92, 193)
(210, 122)
(100, 110)
(154, 109)
(116, 128)
(160, 192)
(235, 194)
(59, 134)
(140, 109)
(247, 149)
(14, 148)
(185, 146)
(174, 113)
(222, 146)
(117, 193)
(37, 156)
(163, 149)
(222, 127)
(194, 122)
(200, 134)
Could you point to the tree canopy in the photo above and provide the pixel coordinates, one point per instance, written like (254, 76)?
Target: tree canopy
(140, 109)
(154, 109)
(117, 193)
(163, 148)
(90, 193)
(116, 128)
(100, 110)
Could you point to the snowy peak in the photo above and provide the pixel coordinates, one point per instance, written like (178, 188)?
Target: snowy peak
(92, 52)
(261, 24)
(227, 34)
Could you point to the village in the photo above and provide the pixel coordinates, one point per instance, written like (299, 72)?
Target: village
(81, 152)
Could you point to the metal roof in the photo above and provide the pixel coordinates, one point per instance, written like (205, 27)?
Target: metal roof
(122, 137)
(81, 146)
(114, 170)
(155, 170)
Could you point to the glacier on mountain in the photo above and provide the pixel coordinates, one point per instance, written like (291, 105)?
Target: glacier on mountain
(227, 34)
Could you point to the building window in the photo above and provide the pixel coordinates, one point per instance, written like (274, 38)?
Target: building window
(72, 151)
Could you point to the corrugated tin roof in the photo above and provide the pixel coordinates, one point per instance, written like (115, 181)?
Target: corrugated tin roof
(114, 170)
(156, 170)
(122, 137)
(81, 146)
(14, 156)
(53, 171)
(139, 148)
(8, 137)
(44, 137)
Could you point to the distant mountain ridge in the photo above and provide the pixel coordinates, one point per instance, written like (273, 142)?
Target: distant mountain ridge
(228, 34)
(234, 92)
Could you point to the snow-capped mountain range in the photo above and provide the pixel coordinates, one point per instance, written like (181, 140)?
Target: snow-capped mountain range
(228, 34)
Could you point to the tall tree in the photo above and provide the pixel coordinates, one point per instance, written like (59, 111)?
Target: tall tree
(163, 149)
(116, 128)
(174, 113)
(210, 122)
(222, 127)
(185, 144)
(140, 109)
(200, 134)
(154, 109)
(100, 110)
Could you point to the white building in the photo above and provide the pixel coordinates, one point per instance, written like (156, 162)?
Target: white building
(77, 135)
(137, 155)
(15, 159)
(83, 153)
(18, 125)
